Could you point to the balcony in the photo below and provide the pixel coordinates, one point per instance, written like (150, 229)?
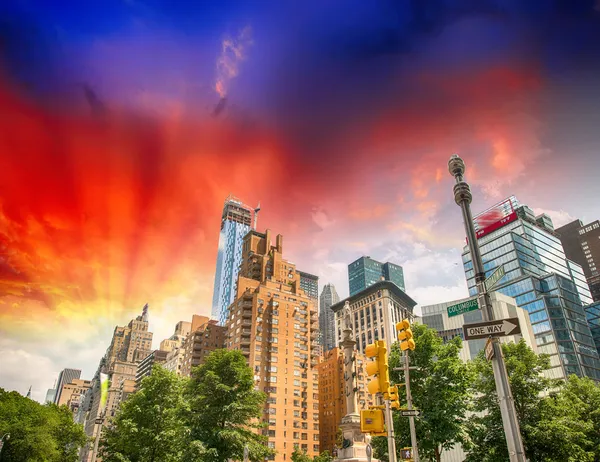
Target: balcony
(247, 313)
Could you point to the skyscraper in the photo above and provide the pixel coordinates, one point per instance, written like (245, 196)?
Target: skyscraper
(236, 221)
(65, 376)
(329, 297)
(542, 280)
(365, 272)
(275, 324)
(309, 283)
(129, 346)
(592, 313)
(375, 312)
(582, 245)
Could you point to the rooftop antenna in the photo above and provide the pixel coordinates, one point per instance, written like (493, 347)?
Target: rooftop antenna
(256, 210)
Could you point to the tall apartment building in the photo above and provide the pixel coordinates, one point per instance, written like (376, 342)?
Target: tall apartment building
(329, 297)
(72, 393)
(582, 245)
(174, 347)
(309, 283)
(236, 221)
(275, 324)
(332, 399)
(375, 312)
(145, 366)
(205, 337)
(65, 376)
(542, 280)
(129, 346)
(365, 272)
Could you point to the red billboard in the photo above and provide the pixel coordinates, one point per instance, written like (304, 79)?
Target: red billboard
(495, 217)
(496, 225)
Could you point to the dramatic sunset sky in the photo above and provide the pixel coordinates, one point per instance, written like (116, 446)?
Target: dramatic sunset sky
(116, 153)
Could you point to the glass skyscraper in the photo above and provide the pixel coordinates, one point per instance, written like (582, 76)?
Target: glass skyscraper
(309, 283)
(365, 272)
(329, 297)
(592, 313)
(236, 221)
(542, 280)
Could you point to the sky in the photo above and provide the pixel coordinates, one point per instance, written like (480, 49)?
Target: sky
(124, 125)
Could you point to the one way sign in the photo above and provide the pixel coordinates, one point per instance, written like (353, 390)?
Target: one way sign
(498, 328)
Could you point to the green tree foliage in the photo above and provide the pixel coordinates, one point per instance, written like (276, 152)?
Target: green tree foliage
(224, 408)
(38, 433)
(440, 389)
(553, 427)
(325, 456)
(300, 456)
(150, 425)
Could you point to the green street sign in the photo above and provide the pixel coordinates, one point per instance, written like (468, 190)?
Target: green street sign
(464, 307)
(494, 278)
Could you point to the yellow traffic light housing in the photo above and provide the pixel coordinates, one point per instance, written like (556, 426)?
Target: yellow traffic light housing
(393, 397)
(405, 335)
(379, 367)
(372, 421)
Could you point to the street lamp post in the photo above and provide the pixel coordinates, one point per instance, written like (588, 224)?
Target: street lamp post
(463, 197)
(4, 438)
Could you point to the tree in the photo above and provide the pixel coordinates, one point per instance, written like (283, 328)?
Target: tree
(440, 390)
(551, 427)
(38, 433)
(69, 436)
(150, 425)
(325, 456)
(224, 408)
(300, 456)
(577, 407)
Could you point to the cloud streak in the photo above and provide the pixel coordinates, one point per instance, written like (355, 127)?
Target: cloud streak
(234, 50)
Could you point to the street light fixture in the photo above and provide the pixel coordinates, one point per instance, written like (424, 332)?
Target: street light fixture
(4, 438)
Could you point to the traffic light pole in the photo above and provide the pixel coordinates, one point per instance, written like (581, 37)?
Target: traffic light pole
(411, 419)
(390, 432)
(510, 422)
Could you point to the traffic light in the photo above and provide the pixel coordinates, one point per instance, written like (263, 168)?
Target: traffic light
(406, 454)
(405, 335)
(379, 367)
(393, 397)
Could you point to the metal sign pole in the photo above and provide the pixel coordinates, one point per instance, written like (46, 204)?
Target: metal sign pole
(463, 197)
(411, 419)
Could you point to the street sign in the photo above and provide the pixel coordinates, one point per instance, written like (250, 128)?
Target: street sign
(464, 307)
(498, 328)
(494, 278)
(489, 349)
(410, 413)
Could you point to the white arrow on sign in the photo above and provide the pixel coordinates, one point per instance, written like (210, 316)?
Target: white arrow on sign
(499, 328)
(508, 326)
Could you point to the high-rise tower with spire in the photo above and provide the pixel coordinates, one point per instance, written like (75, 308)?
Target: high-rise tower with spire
(236, 221)
(329, 297)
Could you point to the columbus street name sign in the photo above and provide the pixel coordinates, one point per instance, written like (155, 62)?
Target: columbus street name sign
(464, 307)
